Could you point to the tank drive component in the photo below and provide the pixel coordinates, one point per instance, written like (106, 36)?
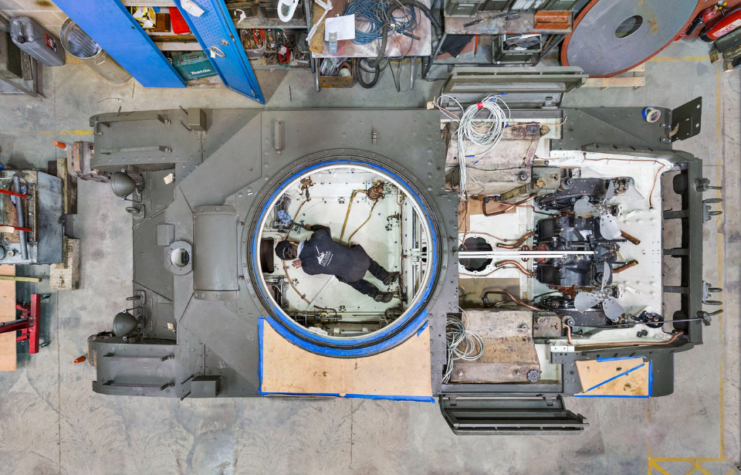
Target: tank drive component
(607, 223)
(586, 300)
(125, 185)
(124, 324)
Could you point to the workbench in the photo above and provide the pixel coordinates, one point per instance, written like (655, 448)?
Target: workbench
(396, 46)
(487, 24)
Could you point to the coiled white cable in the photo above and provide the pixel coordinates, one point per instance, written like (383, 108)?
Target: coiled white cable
(484, 131)
(463, 344)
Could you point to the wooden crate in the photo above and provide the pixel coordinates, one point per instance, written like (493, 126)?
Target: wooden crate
(66, 276)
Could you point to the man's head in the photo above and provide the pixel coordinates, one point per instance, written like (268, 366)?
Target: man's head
(286, 250)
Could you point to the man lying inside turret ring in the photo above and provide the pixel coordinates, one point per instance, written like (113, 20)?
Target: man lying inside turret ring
(322, 255)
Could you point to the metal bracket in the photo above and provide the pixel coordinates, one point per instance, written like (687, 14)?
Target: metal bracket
(686, 120)
(703, 184)
(706, 213)
(706, 294)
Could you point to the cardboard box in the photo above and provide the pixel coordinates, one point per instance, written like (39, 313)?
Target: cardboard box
(336, 81)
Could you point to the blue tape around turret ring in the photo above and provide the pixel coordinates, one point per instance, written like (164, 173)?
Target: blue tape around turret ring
(309, 340)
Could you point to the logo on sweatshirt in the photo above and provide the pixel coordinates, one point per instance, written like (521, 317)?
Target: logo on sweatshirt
(324, 258)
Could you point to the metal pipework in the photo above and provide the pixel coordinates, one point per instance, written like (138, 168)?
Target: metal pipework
(349, 207)
(17, 201)
(509, 206)
(516, 264)
(630, 238)
(485, 299)
(517, 243)
(374, 194)
(627, 266)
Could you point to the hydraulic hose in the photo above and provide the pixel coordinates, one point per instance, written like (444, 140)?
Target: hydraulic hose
(358, 73)
(389, 14)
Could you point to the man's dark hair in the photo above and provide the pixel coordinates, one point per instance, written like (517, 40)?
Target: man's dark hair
(282, 249)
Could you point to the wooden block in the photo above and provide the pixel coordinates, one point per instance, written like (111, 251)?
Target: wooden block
(336, 81)
(317, 41)
(8, 357)
(66, 276)
(403, 371)
(616, 82)
(615, 377)
(69, 187)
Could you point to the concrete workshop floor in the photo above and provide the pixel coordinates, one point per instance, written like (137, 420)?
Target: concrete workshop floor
(52, 422)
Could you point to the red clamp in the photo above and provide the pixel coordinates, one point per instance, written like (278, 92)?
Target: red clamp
(480, 105)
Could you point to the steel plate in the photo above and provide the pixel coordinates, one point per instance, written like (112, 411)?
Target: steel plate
(595, 47)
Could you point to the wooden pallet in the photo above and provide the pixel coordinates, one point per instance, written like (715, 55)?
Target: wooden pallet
(634, 78)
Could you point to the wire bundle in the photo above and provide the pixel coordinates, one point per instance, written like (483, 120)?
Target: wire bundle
(484, 131)
(371, 16)
(463, 344)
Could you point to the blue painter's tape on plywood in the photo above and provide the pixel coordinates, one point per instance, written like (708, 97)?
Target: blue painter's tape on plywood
(627, 377)
(116, 31)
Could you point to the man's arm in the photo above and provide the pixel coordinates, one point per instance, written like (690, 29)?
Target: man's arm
(315, 227)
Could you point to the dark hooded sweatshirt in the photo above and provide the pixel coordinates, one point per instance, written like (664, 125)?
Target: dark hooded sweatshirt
(322, 255)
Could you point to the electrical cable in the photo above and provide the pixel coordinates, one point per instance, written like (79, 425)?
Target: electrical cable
(371, 16)
(483, 131)
(358, 70)
(395, 5)
(463, 344)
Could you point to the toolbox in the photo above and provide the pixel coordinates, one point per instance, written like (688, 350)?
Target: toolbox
(193, 66)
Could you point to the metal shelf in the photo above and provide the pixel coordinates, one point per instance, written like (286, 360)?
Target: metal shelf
(483, 56)
(265, 23)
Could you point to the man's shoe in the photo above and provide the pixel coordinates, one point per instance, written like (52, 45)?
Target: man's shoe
(384, 297)
(391, 278)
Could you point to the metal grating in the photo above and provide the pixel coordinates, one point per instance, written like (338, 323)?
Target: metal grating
(215, 31)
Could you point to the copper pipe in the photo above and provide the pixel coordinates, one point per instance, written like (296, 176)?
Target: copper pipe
(509, 207)
(517, 243)
(288, 277)
(627, 266)
(516, 264)
(326, 309)
(349, 207)
(626, 343)
(512, 297)
(370, 215)
(630, 238)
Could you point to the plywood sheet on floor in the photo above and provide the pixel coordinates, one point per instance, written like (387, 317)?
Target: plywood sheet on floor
(401, 371)
(8, 357)
(615, 377)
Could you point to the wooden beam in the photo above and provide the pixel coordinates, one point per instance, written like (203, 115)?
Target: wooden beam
(8, 357)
